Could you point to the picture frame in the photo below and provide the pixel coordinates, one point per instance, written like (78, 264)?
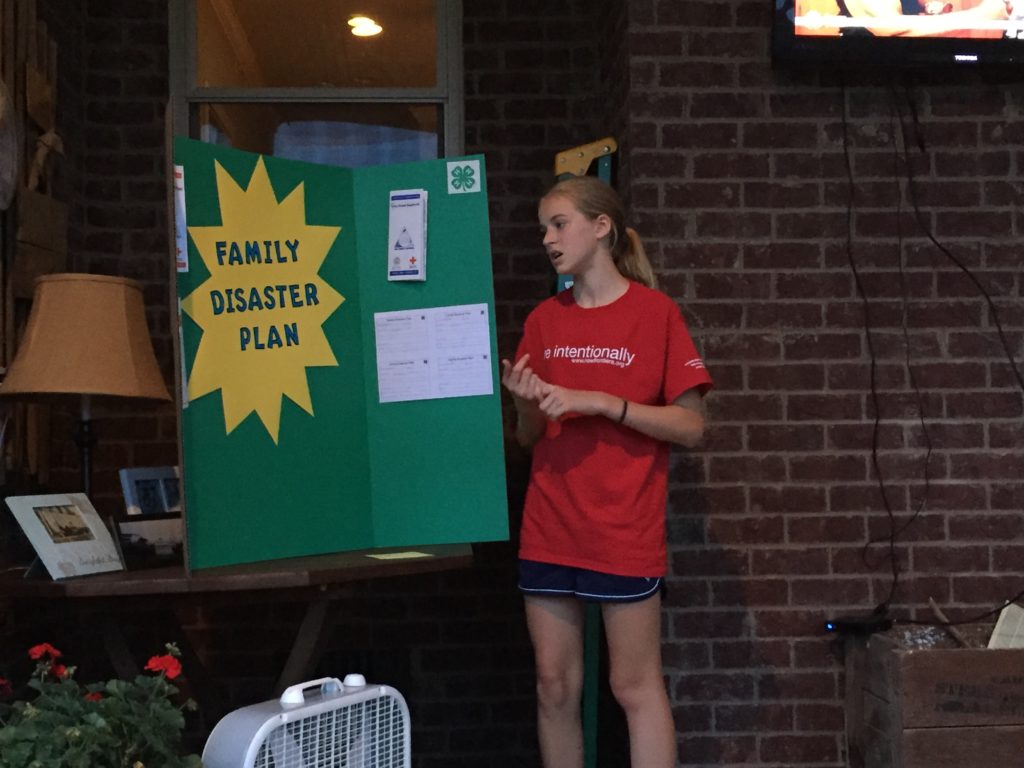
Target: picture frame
(153, 536)
(161, 531)
(151, 490)
(67, 533)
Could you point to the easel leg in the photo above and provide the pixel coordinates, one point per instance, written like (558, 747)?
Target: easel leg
(309, 644)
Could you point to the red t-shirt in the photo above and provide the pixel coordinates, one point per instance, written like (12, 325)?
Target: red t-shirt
(597, 489)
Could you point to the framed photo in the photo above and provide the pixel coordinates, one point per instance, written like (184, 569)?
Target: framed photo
(151, 490)
(161, 533)
(67, 533)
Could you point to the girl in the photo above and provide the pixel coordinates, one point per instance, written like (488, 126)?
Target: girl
(605, 378)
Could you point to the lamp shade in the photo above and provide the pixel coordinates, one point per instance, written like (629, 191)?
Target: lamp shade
(86, 335)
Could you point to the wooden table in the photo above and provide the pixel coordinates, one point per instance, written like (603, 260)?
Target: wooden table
(318, 571)
(320, 582)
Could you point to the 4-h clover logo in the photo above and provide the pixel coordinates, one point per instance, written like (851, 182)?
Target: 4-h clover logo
(463, 177)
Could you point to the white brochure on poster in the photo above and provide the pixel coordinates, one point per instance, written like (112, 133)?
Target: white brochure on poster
(180, 236)
(425, 354)
(407, 234)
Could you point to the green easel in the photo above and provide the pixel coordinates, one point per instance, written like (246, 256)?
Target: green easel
(577, 162)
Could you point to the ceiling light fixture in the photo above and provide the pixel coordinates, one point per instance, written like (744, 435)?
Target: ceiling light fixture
(364, 26)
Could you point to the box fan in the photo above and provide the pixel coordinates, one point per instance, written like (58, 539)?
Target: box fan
(341, 724)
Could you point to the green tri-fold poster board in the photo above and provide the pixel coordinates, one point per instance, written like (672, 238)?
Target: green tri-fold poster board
(326, 407)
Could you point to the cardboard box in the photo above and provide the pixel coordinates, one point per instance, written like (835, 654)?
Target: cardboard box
(917, 701)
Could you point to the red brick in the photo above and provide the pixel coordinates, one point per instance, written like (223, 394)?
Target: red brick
(843, 468)
(789, 561)
(1008, 558)
(730, 165)
(831, 592)
(715, 688)
(725, 562)
(817, 529)
(986, 527)
(814, 285)
(916, 590)
(792, 750)
(699, 73)
(702, 195)
(732, 225)
(787, 623)
(789, 377)
(747, 654)
(724, 105)
(759, 718)
(727, 44)
(991, 466)
(811, 225)
(790, 499)
(711, 624)
(755, 530)
(745, 468)
(745, 346)
(704, 750)
(785, 438)
(921, 525)
(862, 436)
(863, 497)
(692, 15)
(824, 407)
(981, 589)
(945, 559)
(781, 255)
(828, 346)
(804, 165)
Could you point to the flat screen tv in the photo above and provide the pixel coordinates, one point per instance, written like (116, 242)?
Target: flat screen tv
(898, 33)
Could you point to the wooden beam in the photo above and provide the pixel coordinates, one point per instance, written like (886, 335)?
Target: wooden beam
(234, 31)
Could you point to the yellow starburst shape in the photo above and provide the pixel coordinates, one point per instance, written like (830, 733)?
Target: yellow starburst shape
(263, 307)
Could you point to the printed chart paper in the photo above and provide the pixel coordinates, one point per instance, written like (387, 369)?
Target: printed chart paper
(424, 354)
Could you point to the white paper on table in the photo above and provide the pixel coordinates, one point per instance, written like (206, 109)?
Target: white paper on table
(1009, 629)
(425, 354)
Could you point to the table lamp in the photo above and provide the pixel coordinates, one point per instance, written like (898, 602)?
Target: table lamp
(86, 336)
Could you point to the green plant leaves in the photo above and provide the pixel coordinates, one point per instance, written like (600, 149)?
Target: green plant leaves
(103, 725)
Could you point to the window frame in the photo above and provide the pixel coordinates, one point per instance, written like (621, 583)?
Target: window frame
(448, 93)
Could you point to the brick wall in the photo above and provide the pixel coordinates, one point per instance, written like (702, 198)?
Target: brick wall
(739, 182)
(737, 178)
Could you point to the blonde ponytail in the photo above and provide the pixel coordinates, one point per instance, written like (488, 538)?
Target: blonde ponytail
(632, 262)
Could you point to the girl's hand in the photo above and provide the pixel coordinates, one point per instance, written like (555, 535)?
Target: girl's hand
(521, 381)
(558, 402)
(527, 389)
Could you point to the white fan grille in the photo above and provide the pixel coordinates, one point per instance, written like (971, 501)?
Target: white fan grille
(368, 734)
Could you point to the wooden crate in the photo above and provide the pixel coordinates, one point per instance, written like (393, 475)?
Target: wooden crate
(928, 706)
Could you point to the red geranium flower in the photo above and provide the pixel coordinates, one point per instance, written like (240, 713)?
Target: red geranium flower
(166, 664)
(6, 690)
(37, 652)
(95, 696)
(58, 670)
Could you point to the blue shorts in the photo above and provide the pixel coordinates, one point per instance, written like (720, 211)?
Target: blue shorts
(547, 580)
